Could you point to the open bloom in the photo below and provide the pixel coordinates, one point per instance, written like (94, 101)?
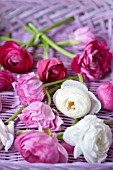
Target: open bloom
(15, 58)
(6, 79)
(51, 70)
(6, 135)
(91, 137)
(29, 88)
(95, 61)
(39, 115)
(105, 95)
(38, 147)
(83, 35)
(74, 100)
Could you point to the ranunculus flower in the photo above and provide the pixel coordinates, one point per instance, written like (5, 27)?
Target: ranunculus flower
(69, 148)
(95, 61)
(15, 58)
(39, 115)
(91, 137)
(6, 135)
(105, 95)
(83, 35)
(29, 88)
(74, 100)
(51, 70)
(0, 104)
(6, 79)
(38, 147)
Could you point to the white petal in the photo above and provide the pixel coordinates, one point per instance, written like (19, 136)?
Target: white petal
(75, 84)
(9, 142)
(10, 127)
(95, 103)
(69, 136)
(77, 151)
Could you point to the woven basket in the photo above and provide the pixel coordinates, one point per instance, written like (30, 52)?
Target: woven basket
(42, 13)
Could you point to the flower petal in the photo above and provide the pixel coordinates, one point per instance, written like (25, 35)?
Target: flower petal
(77, 151)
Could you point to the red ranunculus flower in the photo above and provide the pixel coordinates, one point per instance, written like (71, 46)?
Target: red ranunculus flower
(15, 58)
(51, 70)
(6, 79)
(95, 61)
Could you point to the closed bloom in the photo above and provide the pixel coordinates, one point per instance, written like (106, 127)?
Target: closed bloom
(6, 79)
(83, 35)
(91, 137)
(105, 95)
(15, 58)
(95, 61)
(51, 70)
(74, 100)
(39, 115)
(6, 135)
(29, 88)
(38, 147)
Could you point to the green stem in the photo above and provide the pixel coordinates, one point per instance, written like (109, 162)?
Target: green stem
(67, 43)
(60, 81)
(54, 89)
(74, 122)
(80, 78)
(22, 131)
(107, 122)
(48, 131)
(58, 24)
(48, 97)
(15, 115)
(31, 41)
(50, 42)
(60, 135)
(12, 39)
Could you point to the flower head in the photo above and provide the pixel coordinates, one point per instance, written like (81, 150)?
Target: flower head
(6, 135)
(91, 137)
(6, 79)
(105, 95)
(51, 70)
(74, 100)
(39, 115)
(15, 58)
(95, 61)
(29, 88)
(38, 147)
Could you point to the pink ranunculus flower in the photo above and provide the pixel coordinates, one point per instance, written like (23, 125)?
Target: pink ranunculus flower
(29, 88)
(38, 147)
(15, 58)
(83, 35)
(51, 70)
(105, 95)
(95, 61)
(40, 115)
(6, 79)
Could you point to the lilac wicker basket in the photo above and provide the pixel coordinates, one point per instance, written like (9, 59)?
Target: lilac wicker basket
(14, 14)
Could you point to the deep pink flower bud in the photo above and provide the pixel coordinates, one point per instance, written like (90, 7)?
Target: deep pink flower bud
(40, 115)
(15, 58)
(50, 70)
(38, 147)
(6, 79)
(95, 61)
(105, 95)
(29, 88)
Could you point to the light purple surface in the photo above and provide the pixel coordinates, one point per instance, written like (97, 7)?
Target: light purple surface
(15, 14)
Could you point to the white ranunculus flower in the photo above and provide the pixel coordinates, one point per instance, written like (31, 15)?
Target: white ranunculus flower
(6, 135)
(91, 137)
(74, 100)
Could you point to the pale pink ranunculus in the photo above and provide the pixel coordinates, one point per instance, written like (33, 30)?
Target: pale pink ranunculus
(105, 95)
(40, 115)
(95, 61)
(83, 35)
(38, 147)
(52, 69)
(15, 58)
(29, 88)
(6, 79)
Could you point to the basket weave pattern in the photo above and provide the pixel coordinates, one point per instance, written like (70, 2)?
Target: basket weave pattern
(15, 14)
